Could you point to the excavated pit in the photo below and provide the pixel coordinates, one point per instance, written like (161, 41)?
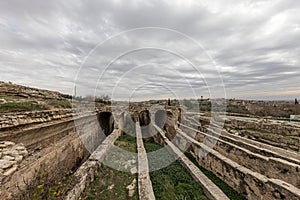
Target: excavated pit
(106, 122)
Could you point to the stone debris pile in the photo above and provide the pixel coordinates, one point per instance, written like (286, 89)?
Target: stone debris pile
(11, 155)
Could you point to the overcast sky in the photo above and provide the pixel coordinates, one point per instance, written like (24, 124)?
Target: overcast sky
(249, 48)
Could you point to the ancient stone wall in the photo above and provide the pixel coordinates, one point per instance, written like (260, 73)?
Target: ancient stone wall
(53, 147)
(63, 156)
(269, 166)
(292, 143)
(252, 174)
(261, 148)
(10, 120)
(251, 184)
(271, 127)
(11, 155)
(258, 161)
(167, 120)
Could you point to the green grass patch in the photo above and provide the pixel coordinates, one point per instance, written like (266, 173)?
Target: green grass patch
(259, 131)
(111, 183)
(127, 142)
(19, 106)
(63, 103)
(290, 137)
(11, 98)
(127, 138)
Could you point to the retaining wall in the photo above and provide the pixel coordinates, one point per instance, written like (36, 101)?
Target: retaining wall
(53, 148)
(251, 184)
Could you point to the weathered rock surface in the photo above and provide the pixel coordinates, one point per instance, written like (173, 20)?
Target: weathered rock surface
(10, 120)
(9, 89)
(11, 155)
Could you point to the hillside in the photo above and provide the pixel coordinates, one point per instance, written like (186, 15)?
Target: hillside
(15, 97)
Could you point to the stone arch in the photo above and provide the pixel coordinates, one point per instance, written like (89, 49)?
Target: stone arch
(160, 118)
(106, 121)
(145, 118)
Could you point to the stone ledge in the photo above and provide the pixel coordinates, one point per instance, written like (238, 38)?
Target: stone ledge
(254, 161)
(242, 179)
(210, 189)
(144, 183)
(9, 120)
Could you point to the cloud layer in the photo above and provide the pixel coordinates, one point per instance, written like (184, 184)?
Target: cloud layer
(254, 44)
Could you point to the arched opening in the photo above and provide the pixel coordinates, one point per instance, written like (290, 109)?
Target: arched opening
(106, 121)
(144, 118)
(160, 118)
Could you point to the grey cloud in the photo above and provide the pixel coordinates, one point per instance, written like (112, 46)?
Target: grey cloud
(255, 45)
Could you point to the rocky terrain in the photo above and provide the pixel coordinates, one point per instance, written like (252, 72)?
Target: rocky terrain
(10, 157)
(15, 98)
(48, 152)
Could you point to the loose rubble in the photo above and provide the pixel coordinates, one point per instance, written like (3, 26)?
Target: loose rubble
(11, 155)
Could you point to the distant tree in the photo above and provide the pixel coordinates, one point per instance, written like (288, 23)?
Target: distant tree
(103, 99)
(169, 102)
(67, 96)
(296, 101)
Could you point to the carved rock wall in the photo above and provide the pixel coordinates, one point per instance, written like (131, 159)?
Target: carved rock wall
(10, 120)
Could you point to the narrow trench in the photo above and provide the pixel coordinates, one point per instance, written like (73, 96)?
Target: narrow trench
(171, 182)
(174, 181)
(111, 183)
